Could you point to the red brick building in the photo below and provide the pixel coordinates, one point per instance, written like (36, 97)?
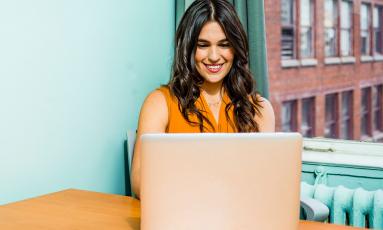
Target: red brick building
(325, 61)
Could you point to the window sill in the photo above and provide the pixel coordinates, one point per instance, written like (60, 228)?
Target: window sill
(297, 63)
(290, 63)
(378, 135)
(366, 138)
(348, 60)
(342, 152)
(366, 58)
(378, 57)
(332, 61)
(309, 62)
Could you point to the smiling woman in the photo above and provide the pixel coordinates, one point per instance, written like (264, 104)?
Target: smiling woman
(211, 88)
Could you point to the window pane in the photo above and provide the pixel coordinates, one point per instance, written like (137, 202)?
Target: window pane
(377, 105)
(364, 17)
(345, 42)
(364, 112)
(306, 42)
(345, 12)
(305, 12)
(288, 116)
(377, 23)
(288, 41)
(375, 17)
(308, 117)
(330, 42)
(346, 116)
(365, 42)
(331, 116)
(287, 12)
(330, 13)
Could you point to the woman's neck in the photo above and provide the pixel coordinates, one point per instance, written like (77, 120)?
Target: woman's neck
(212, 90)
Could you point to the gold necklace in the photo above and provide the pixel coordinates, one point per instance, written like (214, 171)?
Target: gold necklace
(213, 104)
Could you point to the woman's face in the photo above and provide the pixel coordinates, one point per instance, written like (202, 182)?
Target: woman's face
(214, 54)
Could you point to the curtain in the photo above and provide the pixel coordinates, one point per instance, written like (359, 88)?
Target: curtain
(251, 14)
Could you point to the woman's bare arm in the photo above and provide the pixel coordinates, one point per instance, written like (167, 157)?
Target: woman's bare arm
(153, 119)
(266, 121)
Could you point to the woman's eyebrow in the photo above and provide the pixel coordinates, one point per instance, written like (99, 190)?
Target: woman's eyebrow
(220, 41)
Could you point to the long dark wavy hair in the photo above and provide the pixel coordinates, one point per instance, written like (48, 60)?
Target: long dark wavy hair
(239, 84)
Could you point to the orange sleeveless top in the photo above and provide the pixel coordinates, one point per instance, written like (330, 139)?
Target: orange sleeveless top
(178, 124)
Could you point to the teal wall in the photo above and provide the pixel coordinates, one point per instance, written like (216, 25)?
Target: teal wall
(73, 75)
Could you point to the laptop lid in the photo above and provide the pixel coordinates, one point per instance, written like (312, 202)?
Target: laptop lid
(220, 181)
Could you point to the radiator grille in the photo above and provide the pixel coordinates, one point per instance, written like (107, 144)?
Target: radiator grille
(355, 207)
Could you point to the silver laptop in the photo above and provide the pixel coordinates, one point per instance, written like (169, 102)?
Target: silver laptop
(220, 181)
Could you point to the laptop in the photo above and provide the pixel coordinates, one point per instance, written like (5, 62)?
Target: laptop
(220, 181)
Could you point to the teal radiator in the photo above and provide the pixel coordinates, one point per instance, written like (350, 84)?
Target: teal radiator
(355, 207)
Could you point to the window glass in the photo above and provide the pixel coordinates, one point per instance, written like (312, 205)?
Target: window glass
(346, 27)
(364, 112)
(346, 115)
(331, 116)
(330, 28)
(288, 116)
(306, 29)
(377, 101)
(364, 29)
(287, 12)
(377, 24)
(308, 117)
(288, 30)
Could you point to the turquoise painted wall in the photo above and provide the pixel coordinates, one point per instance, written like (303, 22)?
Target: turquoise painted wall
(73, 75)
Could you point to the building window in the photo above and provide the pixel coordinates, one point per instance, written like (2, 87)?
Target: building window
(289, 111)
(331, 27)
(365, 29)
(377, 28)
(346, 116)
(303, 27)
(288, 30)
(346, 28)
(306, 28)
(308, 117)
(331, 118)
(377, 101)
(365, 114)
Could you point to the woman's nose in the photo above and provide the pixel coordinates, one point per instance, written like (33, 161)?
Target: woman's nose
(213, 55)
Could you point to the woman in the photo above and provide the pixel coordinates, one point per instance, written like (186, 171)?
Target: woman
(211, 88)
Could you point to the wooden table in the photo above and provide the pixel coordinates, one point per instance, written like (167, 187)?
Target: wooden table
(78, 209)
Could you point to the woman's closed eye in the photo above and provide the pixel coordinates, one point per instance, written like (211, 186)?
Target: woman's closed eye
(202, 45)
(225, 45)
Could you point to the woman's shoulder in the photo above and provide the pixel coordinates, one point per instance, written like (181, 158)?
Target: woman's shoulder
(266, 116)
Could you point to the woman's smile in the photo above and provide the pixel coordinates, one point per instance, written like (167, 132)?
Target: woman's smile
(214, 68)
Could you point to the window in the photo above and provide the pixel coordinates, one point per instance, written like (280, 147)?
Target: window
(289, 111)
(346, 28)
(365, 29)
(377, 28)
(346, 115)
(365, 115)
(291, 48)
(288, 30)
(306, 29)
(377, 101)
(331, 27)
(308, 117)
(331, 119)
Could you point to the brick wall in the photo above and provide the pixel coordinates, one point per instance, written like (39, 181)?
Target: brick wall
(321, 79)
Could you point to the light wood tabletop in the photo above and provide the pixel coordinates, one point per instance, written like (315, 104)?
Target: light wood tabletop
(78, 209)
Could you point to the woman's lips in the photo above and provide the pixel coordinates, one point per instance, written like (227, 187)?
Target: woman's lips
(214, 68)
